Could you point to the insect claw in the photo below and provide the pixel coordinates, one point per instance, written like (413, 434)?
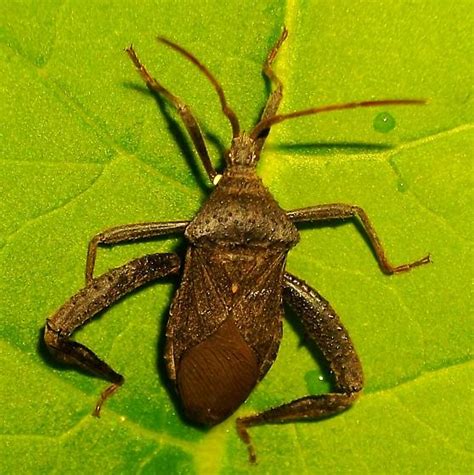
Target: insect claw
(246, 439)
(411, 265)
(104, 396)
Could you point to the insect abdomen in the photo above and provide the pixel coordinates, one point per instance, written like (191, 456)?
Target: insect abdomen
(216, 376)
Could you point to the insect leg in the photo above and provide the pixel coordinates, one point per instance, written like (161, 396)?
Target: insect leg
(344, 211)
(324, 328)
(100, 294)
(276, 95)
(183, 110)
(128, 233)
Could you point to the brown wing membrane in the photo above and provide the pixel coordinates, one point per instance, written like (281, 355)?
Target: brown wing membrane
(215, 377)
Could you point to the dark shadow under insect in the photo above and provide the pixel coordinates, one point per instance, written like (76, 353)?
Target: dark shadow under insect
(225, 321)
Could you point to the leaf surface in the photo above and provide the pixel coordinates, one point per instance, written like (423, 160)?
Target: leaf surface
(86, 147)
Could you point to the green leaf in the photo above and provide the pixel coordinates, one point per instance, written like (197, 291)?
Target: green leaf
(85, 147)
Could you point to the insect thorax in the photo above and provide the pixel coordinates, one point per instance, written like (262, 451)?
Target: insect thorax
(242, 212)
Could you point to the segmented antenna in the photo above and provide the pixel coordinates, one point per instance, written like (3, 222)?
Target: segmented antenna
(276, 119)
(234, 121)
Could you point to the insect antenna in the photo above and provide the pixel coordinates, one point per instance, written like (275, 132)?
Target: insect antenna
(226, 109)
(265, 124)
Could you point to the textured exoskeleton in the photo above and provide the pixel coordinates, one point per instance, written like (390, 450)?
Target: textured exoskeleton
(225, 322)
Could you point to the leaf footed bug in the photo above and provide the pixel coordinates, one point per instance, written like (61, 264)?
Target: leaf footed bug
(225, 321)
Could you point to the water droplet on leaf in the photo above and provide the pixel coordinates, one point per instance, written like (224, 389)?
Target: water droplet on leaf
(384, 122)
(313, 381)
(402, 186)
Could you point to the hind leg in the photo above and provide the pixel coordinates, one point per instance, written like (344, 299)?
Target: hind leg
(324, 328)
(98, 295)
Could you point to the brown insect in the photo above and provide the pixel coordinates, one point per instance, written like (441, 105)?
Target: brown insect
(225, 322)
